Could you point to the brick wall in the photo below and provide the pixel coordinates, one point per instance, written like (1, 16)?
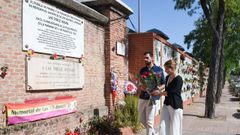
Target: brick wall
(115, 32)
(12, 88)
(138, 44)
(118, 63)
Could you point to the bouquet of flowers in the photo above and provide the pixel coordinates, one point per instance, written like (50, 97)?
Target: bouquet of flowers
(56, 57)
(150, 80)
(3, 71)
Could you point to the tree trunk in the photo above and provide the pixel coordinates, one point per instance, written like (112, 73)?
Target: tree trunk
(220, 77)
(213, 79)
(201, 75)
(217, 42)
(224, 76)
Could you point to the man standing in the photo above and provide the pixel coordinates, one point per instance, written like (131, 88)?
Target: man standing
(148, 111)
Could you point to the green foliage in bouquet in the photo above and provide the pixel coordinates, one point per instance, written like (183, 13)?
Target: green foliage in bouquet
(150, 80)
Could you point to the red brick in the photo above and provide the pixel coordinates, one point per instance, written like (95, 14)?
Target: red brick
(13, 86)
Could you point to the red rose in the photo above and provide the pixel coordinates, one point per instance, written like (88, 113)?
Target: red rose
(147, 73)
(158, 75)
(3, 74)
(129, 87)
(144, 76)
(55, 56)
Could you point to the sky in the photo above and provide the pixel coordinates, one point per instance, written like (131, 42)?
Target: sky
(160, 14)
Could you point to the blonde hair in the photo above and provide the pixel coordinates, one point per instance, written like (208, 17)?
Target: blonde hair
(171, 64)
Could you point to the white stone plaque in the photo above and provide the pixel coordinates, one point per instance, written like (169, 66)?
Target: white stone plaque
(46, 74)
(121, 49)
(50, 30)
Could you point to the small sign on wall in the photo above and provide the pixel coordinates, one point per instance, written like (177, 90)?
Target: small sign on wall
(121, 49)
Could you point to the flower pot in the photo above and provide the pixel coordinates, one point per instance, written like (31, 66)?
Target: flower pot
(126, 131)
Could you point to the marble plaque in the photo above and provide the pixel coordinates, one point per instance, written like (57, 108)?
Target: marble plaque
(46, 74)
(48, 29)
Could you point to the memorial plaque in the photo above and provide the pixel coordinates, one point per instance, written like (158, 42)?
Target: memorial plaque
(50, 30)
(121, 49)
(46, 74)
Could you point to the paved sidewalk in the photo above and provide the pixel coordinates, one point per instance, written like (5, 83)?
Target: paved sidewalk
(226, 123)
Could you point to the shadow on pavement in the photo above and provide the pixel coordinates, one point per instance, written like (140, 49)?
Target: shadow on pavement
(199, 102)
(238, 110)
(235, 99)
(236, 115)
(218, 118)
(194, 115)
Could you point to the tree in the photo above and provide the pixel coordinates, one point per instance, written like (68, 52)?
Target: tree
(232, 38)
(217, 34)
(231, 21)
(200, 39)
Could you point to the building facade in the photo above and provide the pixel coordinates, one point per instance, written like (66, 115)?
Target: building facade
(156, 42)
(97, 32)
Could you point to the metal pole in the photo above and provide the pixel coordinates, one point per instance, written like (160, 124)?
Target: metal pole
(139, 16)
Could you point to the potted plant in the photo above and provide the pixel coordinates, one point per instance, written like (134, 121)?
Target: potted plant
(127, 116)
(103, 125)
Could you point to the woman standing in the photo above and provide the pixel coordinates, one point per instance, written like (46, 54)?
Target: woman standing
(172, 111)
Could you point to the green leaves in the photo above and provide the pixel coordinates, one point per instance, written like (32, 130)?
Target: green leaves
(128, 115)
(201, 37)
(183, 4)
(200, 40)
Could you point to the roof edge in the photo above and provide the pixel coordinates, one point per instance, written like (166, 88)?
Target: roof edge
(84, 10)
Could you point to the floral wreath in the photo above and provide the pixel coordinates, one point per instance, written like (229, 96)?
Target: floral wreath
(114, 83)
(130, 88)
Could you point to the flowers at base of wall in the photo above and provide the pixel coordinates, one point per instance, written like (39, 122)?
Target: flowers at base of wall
(3, 71)
(57, 57)
(76, 131)
(105, 125)
(114, 84)
(68, 132)
(130, 88)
